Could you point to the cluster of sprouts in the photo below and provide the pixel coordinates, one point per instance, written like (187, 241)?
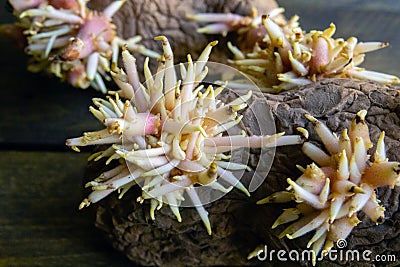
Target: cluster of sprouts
(284, 56)
(331, 191)
(171, 137)
(73, 42)
(249, 28)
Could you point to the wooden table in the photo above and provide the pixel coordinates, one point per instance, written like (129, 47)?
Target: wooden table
(41, 180)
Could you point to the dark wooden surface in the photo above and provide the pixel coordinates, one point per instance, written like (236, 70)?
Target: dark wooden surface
(39, 222)
(40, 179)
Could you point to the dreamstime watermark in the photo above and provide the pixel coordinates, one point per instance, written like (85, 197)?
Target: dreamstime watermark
(339, 254)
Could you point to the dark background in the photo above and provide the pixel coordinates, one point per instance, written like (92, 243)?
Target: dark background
(41, 179)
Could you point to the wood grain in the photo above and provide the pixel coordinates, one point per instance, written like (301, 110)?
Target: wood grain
(40, 224)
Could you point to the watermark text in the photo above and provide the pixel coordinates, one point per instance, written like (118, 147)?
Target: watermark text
(309, 255)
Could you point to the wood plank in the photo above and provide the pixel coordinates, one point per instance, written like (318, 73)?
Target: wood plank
(40, 221)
